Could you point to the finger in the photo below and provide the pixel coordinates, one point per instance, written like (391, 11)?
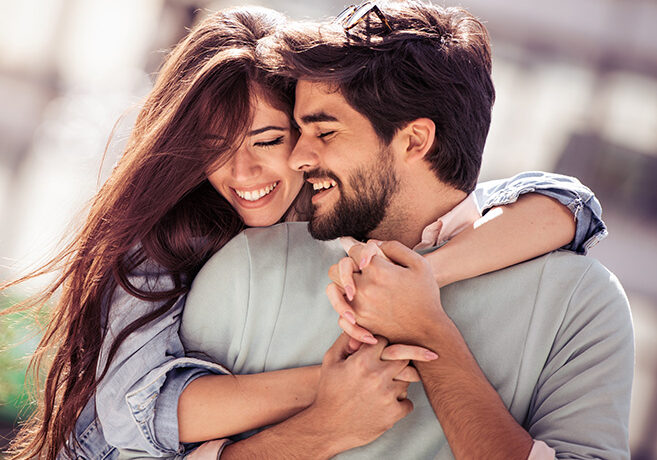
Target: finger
(357, 252)
(346, 269)
(408, 374)
(373, 352)
(338, 351)
(401, 255)
(400, 389)
(362, 254)
(334, 274)
(368, 252)
(379, 252)
(354, 344)
(340, 305)
(405, 407)
(393, 368)
(356, 332)
(411, 352)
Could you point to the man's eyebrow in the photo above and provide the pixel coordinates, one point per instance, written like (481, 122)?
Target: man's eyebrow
(266, 128)
(317, 118)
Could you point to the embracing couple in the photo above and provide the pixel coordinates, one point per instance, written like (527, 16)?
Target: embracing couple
(178, 334)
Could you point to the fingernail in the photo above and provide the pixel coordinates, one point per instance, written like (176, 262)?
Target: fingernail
(349, 316)
(350, 294)
(363, 263)
(430, 355)
(377, 242)
(369, 338)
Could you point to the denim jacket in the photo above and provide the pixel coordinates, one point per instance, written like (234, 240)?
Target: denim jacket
(135, 405)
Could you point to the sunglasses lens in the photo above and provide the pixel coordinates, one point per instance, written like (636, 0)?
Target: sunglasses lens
(360, 12)
(352, 14)
(348, 11)
(363, 9)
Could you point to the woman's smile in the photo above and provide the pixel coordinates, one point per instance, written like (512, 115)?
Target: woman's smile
(256, 196)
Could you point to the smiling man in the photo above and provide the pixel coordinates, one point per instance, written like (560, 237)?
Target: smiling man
(393, 106)
(355, 204)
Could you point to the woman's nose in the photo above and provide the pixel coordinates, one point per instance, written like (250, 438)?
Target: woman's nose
(245, 165)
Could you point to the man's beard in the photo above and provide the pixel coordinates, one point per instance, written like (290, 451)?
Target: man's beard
(358, 215)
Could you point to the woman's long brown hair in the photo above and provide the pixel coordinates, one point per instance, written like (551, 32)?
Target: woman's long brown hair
(157, 205)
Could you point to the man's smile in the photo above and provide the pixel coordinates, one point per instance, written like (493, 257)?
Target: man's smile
(321, 187)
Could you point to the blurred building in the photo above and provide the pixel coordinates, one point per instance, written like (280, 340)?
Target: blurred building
(576, 93)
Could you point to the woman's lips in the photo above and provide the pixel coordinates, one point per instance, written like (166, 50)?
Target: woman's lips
(256, 197)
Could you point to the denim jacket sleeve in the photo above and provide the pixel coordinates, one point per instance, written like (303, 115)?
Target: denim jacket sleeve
(137, 399)
(567, 190)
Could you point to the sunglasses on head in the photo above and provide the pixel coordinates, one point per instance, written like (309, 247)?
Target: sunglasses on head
(353, 14)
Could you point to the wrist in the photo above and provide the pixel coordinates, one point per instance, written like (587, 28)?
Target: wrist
(310, 385)
(441, 266)
(305, 435)
(425, 330)
(318, 432)
(454, 354)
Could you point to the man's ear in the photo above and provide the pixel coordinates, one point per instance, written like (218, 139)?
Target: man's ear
(418, 136)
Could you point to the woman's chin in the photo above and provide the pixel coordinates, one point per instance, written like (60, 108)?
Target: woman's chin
(264, 220)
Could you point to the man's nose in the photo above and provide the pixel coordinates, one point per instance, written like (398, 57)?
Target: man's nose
(245, 165)
(304, 155)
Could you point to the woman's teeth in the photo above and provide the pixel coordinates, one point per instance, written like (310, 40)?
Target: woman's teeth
(324, 185)
(254, 195)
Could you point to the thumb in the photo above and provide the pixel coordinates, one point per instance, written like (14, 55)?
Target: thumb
(339, 351)
(400, 254)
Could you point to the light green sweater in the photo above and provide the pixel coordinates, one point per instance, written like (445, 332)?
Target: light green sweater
(553, 336)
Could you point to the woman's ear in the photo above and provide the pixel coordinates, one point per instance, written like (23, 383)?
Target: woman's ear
(419, 136)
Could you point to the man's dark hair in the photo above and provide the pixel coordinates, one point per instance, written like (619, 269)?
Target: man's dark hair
(435, 63)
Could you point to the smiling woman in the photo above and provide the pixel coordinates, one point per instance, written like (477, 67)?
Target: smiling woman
(149, 230)
(256, 180)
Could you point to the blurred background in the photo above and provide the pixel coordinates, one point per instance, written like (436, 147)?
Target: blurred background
(576, 93)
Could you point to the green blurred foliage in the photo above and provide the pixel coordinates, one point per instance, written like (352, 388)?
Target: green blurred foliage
(18, 339)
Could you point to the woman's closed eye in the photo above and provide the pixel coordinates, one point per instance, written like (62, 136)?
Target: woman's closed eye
(277, 141)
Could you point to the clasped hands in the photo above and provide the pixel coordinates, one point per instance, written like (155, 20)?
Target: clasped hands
(387, 289)
(382, 292)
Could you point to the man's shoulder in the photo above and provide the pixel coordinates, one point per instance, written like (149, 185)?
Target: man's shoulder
(562, 268)
(555, 285)
(582, 278)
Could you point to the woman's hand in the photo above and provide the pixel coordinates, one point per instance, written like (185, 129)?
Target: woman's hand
(342, 275)
(395, 297)
(402, 352)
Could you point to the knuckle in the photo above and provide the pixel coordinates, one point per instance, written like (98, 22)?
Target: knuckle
(392, 353)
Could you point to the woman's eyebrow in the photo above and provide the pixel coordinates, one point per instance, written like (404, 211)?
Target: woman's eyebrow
(266, 128)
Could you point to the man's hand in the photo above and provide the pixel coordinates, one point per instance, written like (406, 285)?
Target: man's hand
(358, 397)
(398, 298)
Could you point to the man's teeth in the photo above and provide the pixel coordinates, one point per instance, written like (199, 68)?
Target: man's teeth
(324, 185)
(254, 195)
